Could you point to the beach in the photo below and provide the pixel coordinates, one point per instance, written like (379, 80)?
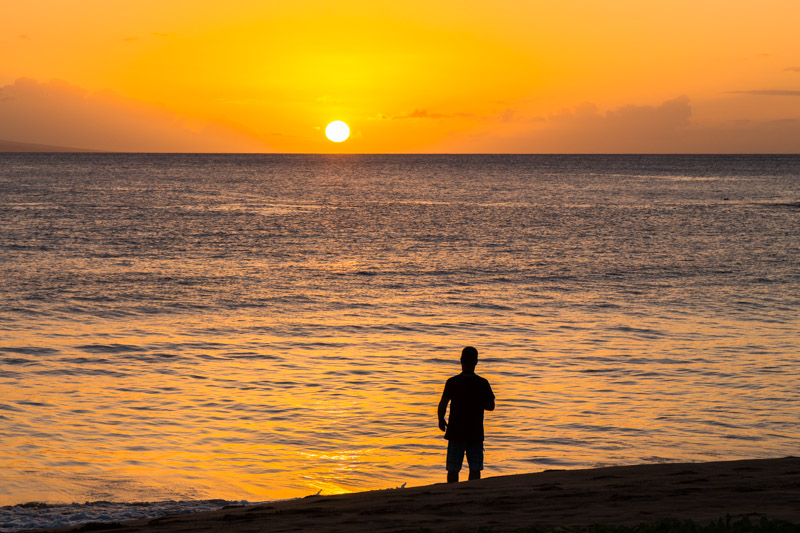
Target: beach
(624, 495)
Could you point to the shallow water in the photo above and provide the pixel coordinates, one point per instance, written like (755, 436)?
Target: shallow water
(190, 327)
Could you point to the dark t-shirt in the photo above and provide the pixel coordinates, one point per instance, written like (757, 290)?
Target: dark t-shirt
(468, 395)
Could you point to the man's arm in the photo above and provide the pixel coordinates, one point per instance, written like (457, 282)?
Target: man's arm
(489, 405)
(442, 411)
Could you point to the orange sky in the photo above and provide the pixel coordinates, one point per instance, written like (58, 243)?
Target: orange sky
(412, 76)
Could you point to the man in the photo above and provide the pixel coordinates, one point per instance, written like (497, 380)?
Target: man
(470, 395)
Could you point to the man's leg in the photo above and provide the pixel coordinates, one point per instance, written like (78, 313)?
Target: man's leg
(474, 452)
(455, 458)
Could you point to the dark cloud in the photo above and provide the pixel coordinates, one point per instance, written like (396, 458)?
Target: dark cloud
(24, 37)
(57, 113)
(768, 92)
(792, 69)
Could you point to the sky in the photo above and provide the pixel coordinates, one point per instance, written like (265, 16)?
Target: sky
(418, 76)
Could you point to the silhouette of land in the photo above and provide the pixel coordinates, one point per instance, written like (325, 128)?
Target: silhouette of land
(627, 495)
(13, 146)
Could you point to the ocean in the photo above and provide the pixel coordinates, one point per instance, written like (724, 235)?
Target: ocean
(207, 329)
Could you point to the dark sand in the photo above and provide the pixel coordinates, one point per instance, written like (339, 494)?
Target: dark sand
(627, 495)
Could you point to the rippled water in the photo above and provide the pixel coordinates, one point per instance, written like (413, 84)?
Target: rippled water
(258, 327)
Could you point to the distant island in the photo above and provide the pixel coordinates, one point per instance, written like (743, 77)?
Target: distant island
(12, 146)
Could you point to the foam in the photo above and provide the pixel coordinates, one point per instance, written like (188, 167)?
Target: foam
(36, 515)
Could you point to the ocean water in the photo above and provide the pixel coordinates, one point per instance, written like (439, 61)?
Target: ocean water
(254, 327)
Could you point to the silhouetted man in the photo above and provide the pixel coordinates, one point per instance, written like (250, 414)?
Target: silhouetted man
(470, 395)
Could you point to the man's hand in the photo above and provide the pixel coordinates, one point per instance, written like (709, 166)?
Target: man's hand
(442, 424)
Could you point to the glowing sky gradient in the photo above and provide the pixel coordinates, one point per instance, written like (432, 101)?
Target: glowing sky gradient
(413, 76)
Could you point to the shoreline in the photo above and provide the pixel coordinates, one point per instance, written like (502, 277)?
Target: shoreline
(620, 495)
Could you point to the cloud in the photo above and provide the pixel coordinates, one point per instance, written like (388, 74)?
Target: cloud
(57, 113)
(423, 113)
(508, 115)
(23, 37)
(631, 128)
(792, 69)
(664, 128)
(768, 92)
(770, 136)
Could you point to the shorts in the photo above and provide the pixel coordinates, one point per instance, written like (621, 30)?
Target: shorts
(455, 455)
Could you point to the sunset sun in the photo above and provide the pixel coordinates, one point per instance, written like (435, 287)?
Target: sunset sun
(337, 131)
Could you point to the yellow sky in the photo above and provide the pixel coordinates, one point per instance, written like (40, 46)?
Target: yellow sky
(412, 76)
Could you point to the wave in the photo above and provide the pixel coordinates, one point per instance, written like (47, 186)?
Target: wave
(35, 515)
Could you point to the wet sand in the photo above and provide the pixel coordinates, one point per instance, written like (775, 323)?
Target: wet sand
(626, 495)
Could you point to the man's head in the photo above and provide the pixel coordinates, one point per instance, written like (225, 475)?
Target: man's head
(469, 358)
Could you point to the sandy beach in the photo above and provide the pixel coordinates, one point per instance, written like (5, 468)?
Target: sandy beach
(625, 495)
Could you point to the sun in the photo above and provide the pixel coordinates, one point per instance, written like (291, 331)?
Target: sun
(337, 131)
